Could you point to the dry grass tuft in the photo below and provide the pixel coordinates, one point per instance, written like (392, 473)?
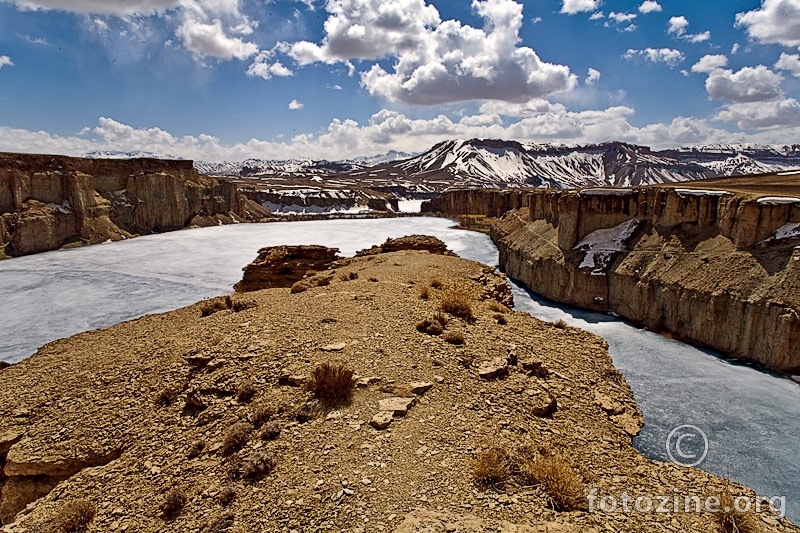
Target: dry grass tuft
(556, 476)
(501, 319)
(432, 326)
(226, 496)
(436, 283)
(457, 301)
(729, 518)
(166, 396)
(271, 431)
(196, 448)
(236, 436)
(491, 467)
(332, 383)
(424, 293)
(560, 324)
(222, 303)
(261, 414)
(496, 306)
(454, 337)
(174, 502)
(75, 516)
(258, 465)
(222, 523)
(245, 392)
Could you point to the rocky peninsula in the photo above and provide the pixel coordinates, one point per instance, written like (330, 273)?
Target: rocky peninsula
(715, 263)
(462, 415)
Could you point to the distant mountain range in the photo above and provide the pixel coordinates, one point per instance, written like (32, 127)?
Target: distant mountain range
(498, 163)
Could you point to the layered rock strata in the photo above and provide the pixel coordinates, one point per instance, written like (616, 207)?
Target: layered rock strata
(713, 268)
(50, 202)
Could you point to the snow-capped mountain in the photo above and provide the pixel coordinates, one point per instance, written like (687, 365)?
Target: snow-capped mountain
(740, 159)
(294, 167)
(493, 163)
(111, 154)
(381, 159)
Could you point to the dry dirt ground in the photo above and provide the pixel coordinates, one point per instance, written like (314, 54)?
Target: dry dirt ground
(787, 184)
(123, 411)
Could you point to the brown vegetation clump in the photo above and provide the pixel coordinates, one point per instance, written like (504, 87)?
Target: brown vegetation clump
(454, 337)
(236, 436)
(560, 324)
(457, 301)
(729, 518)
(308, 283)
(501, 319)
(424, 293)
(431, 326)
(75, 516)
(222, 523)
(174, 502)
(196, 448)
(436, 283)
(227, 495)
(258, 465)
(261, 414)
(166, 396)
(222, 303)
(271, 431)
(491, 467)
(496, 306)
(554, 474)
(245, 392)
(332, 383)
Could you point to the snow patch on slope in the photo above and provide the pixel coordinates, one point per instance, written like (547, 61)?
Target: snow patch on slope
(600, 245)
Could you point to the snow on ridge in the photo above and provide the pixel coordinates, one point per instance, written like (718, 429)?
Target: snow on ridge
(774, 200)
(600, 245)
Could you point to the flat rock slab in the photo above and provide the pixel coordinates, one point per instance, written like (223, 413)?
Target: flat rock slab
(382, 419)
(540, 403)
(366, 382)
(336, 347)
(399, 406)
(420, 387)
(492, 369)
(608, 405)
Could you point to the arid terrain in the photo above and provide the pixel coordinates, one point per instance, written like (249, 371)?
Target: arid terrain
(201, 419)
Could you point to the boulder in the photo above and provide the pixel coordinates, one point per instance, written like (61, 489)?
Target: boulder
(409, 242)
(495, 368)
(397, 405)
(283, 266)
(381, 420)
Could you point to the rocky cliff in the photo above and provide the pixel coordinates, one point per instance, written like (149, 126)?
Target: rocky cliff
(50, 202)
(710, 267)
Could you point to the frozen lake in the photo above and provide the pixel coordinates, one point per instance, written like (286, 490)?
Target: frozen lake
(751, 418)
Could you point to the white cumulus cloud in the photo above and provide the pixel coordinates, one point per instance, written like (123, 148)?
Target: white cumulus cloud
(669, 56)
(592, 77)
(710, 63)
(5, 61)
(650, 6)
(776, 22)
(750, 84)
(790, 62)
(572, 7)
(295, 104)
(677, 27)
(264, 67)
(435, 61)
(762, 115)
(621, 18)
(211, 40)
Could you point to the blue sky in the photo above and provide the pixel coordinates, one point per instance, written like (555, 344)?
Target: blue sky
(231, 79)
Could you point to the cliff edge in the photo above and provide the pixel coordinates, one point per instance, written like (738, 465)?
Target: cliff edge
(713, 267)
(51, 202)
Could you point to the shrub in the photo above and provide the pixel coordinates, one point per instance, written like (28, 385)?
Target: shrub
(75, 516)
(196, 448)
(166, 396)
(222, 303)
(301, 286)
(560, 324)
(436, 283)
(271, 431)
(236, 436)
(227, 495)
(731, 520)
(239, 305)
(431, 326)
(245, 392)
(496, 306)
(491, 467)
(501, 319)
(258, 465)
(223, 523)
(454, 337)
(332, 383)
(306, 412)
(457, 301)
(424, 293)
(373, 279)
(261, 414)
(556, 477)
(174, 502)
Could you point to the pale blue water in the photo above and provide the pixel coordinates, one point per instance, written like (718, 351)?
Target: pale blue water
(751, 418)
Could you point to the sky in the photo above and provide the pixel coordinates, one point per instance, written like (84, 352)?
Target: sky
(279, 79)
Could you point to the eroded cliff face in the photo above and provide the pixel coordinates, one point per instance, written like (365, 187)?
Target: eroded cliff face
(713, 268)
(49, 202)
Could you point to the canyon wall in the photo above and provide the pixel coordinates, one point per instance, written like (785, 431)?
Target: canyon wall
(713, 268)
(49, 202)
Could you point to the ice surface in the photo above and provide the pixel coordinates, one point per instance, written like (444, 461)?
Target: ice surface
(771, 200)
(752, 418)
(410, 206)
